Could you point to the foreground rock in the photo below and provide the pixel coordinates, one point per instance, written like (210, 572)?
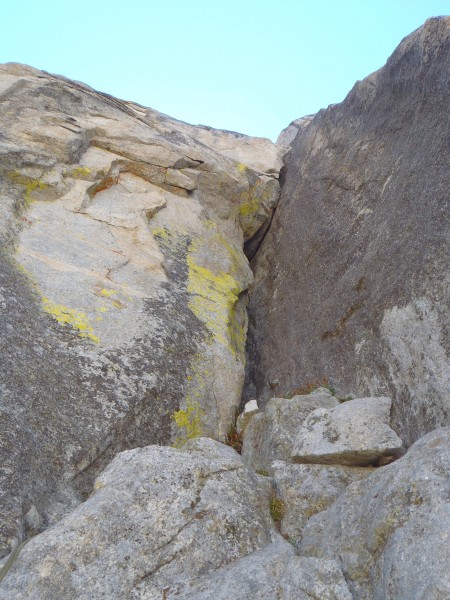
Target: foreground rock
(157, 518)
(274, 572)
(122, 284)
(356, 258)
(355, 433)
(270, 434)
(306, 490)
(391, 530)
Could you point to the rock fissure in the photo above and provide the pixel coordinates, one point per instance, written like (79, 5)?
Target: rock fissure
(127, 329)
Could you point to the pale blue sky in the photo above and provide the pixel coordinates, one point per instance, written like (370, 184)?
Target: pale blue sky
(249, 66)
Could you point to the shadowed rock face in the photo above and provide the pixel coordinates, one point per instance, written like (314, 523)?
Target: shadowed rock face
(351, 280)
(122, 284)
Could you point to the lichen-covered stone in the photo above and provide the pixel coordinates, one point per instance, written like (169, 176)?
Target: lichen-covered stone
(122, 283)
(390, 531)
(355, 433)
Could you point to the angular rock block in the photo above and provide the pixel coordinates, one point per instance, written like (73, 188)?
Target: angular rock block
(270, 434)
(309, 489)
(158, 516)
(355, 433)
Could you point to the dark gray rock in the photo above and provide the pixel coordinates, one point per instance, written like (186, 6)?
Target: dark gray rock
(351, 280)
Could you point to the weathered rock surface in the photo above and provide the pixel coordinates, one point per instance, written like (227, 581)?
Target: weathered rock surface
(355, 433)
(306, 490)
(270, 434)
(274, 572)
(352, 279)
(157, 518)
(122, 286)
(391, 530)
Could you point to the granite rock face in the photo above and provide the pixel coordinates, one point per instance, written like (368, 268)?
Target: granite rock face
(352, 279)
(122, 286)
(123, 292)
(355, 433)
(391, 530)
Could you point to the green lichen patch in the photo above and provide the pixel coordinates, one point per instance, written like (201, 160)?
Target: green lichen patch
(277, 509)
(80, 172)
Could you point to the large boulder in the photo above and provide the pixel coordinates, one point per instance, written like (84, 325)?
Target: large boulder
(355, 433)
(352, 279)
(122, 284)
(157, 518)
(390, 531)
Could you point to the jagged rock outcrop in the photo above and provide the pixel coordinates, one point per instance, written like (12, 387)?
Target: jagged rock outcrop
(122, 285)
(391, 530)
(352, 279)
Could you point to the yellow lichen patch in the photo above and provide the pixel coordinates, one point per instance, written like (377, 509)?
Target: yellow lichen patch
(118, 304)
(241, 167)
(106, 293)
(213, 294)
(199, 379)
(80, 172)
(249, 205)
(99, 484)
(189, 422)
(213, 299)
(69, 316)
(169, 237)
(29, 183)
